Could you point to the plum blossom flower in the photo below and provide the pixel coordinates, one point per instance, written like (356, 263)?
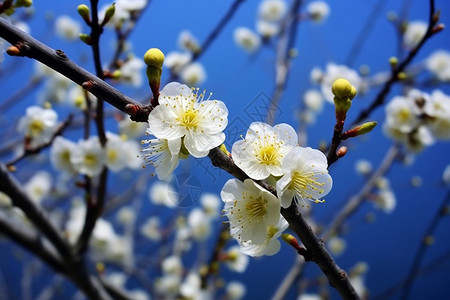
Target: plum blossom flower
(193, 74)
(250, 209)
(235, 290)
(236, 260)
(60, 154)
(39, 124)
(414, 33)
(318, 10)
(305, 176)
(271, 245)
(88, 157)
(272, 10)
(67, 28)
(246, 39)
(39, 186)
(186, 117)
(262, 150)
(439, 64)
(438, 108)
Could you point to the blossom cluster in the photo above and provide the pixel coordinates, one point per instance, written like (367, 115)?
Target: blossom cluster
(300, 173)
(417, 119)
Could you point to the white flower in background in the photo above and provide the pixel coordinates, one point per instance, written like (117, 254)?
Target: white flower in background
(439, 64)
(88, 157)
(193, 74)
(188, 42)
(131, 129)
(334, 72)
(60, 154)
(138, 294)
(272, 10)
(161, 193)
(316, 75)
(39, 124)
(199, 224)
(175, 61)
(126, 215)
(122, 13)
(400, 117)
(211, 205)
(309, 297)
(414, 33)
(163, 155)
(246, 39)
(76, 98)
(318, 10)
(132, 154)
(356, 277)
(336, 245)
(67, 28)
(236, 260)
(5, 201)
(438, 108)
(313, 100)
(446, 175)
(250, 209)
(305, 177)
(151, 229)
(261, 152)
(235, 290)
(132, 5)
(114, 148)
(271, 245)
(117, 279)
(385, 200)
(363, 167)
(38, 187)
(187, 115)
(267, 29)
(131, 71)
(172, 265)
(168, 286)
(190, 288)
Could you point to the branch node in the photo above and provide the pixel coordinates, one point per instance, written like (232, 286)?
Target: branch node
(88, 85)
(61, 54)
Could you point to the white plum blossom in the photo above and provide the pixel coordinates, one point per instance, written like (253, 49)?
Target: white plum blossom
(305, 177)
(246, 39)
(313, 100)
(250, 209)
(400, 117)
(199, 224)
(236, 260)
(336, 245)
(363, 167)
(184, 116)
(176, 61)
(446, 175)
(318, 10)
(168, 285)
(131, 129)
(115, 160)
(235, 290)
(309, 297)
(211, 205)
(126, 215)
(60, 154)
(188, 42)
(271, 245)
(262, 150)
(272, 10)
(386, 200)
(334, 72)
(267, 29)
(88, 157)
(122, 13)
(190, 288)
(67, 28)
(39, 124)
(151, 229)
(163, 155)
(193, 74)
(439, 64)
(438, 108)
(172, 265)
(131, 71)
(414, 33)
(38, 187)
(161, 193)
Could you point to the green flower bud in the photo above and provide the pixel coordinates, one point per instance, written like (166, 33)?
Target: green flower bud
(359, 130)
(84, 12)
(23, 3)
(86, 38)
(116, 74)
(109, 14)
(342, 88)
(154, 58)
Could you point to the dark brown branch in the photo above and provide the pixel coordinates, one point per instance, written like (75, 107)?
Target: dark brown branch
(381, 97)
(58, 61)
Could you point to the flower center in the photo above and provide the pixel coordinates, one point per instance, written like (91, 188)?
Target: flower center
(302, 182)
(90, 159)
(189, 119)
(36, 127)
(257, 208)
(268, 154)
(404, 115)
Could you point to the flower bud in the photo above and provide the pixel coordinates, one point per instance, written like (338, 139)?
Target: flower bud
(86, 38)
(224, 149)
(290, 239)
(359, 130)
(342, 88)
(84, 12)
(154, 58)
(109, 14)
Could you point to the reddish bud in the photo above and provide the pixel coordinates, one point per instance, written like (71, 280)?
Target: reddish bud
(341, 152)
(13, 51)
(88, 85)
